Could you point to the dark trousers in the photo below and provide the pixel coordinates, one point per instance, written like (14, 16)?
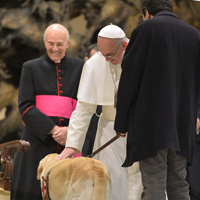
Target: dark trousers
(164, 173)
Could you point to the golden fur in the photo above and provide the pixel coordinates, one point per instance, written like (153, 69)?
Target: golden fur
(79, 178)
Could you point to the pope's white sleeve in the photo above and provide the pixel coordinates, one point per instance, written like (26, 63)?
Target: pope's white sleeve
(78, 125)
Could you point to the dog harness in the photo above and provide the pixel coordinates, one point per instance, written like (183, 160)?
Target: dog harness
(45, 188)
(45, 182)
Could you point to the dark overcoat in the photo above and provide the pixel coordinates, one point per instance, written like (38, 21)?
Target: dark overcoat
(159, 88)
(41, 77)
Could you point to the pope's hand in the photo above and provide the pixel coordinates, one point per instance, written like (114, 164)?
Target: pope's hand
(68, 152)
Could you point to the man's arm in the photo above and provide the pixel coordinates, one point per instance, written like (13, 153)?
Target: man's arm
(77, 129)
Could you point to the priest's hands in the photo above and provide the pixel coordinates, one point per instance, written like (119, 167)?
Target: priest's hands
(59, 134)
(68, 152)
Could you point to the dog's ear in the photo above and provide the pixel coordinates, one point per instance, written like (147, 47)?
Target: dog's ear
(40, 169)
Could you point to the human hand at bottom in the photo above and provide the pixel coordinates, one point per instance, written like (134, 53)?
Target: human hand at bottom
(68, 152)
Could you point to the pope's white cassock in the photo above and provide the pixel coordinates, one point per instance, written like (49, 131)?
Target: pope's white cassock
(99, 82)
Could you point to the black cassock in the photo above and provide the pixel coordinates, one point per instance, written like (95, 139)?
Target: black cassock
(50, 88)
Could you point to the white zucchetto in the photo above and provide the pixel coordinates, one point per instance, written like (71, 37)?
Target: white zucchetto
(112, 31)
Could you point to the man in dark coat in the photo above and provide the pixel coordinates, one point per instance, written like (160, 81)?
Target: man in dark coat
(158, 99)
(47, 97)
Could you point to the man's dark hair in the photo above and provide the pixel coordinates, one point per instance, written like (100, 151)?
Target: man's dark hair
(154, 6)
(90, 48)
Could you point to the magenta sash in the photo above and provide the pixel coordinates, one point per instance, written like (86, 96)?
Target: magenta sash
(55, 106)
(78, 155)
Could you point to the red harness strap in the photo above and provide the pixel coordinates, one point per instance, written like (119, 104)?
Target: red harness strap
(45, 188)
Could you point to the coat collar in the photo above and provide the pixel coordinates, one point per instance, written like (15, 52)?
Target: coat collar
(165, 12)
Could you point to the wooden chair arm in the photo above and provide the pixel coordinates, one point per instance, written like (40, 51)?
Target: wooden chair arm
(20, 145)
(7, 152)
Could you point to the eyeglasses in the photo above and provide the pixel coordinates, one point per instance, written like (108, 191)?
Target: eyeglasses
(109, 56)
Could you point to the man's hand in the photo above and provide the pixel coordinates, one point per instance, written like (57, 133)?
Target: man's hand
(59, 134)
(121, 134)
(68, 152)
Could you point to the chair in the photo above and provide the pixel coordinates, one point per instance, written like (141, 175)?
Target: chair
(7, 152)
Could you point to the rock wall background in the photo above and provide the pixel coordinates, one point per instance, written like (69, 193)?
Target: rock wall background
(22, 23)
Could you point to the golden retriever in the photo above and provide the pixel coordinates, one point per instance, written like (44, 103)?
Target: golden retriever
(79, 178)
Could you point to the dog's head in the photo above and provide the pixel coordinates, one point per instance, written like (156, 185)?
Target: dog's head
(46, 160)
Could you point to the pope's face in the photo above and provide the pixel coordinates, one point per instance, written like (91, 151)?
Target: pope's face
(56, 44)
(111, 51)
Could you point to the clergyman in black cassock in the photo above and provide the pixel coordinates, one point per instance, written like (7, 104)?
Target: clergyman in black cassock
(47, 97)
